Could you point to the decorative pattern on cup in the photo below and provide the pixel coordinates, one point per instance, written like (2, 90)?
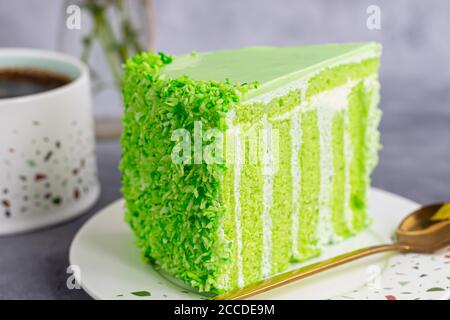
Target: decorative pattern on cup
(46, 173)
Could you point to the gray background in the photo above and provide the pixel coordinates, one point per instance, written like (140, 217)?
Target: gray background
(415, 79)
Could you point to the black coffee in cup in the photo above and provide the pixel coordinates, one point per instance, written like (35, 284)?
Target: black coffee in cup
(17, 82)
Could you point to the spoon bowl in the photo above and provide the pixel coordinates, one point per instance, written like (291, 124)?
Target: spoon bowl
(421, 233)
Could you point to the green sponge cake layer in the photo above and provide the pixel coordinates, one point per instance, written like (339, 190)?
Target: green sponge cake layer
(237, 163)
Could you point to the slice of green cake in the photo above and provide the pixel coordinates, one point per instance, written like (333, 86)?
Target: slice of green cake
(237, 163)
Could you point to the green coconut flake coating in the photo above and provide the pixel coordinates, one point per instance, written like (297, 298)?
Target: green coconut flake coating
(174, 209)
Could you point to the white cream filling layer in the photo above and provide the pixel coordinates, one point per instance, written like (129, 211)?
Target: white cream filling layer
(373, 86)
(327, 104)
(325, 230)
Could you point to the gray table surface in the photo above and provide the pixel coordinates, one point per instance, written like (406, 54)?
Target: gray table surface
(413, 163)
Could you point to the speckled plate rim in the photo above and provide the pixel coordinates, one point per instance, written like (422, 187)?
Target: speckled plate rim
(110, 265)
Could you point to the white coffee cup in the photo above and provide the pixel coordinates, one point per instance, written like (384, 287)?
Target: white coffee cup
(48, 168)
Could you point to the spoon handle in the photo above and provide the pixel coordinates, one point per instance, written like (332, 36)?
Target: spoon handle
(306, 271)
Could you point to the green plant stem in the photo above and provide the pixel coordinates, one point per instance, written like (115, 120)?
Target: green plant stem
(129, 34)
(87, 46)
(107, 40)
(115, 49)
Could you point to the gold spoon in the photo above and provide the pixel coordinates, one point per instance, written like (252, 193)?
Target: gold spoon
(418, 232)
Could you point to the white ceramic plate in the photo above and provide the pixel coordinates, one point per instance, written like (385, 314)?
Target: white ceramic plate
(111, 267)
